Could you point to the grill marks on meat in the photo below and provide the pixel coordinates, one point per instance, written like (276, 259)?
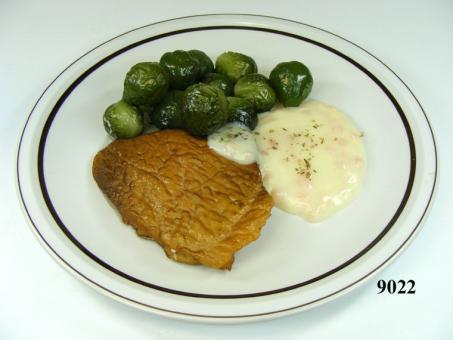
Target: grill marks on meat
(200, 207)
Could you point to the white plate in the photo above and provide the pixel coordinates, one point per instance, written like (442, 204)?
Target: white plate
(294, 265)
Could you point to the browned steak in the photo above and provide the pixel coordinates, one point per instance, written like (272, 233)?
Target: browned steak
(200, 207)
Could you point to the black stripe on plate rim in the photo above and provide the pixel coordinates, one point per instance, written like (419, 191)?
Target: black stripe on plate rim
(79, 245)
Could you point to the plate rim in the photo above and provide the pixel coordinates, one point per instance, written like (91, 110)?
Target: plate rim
(145, 306)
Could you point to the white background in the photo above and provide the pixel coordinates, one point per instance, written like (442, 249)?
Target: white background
(39, 300)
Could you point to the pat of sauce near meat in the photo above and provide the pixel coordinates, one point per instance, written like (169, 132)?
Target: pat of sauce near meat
(235, 142)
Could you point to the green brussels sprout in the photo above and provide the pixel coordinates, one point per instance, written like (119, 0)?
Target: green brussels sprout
(242, 111)
(292, 81)
(257, 90)
(204, 109)
(183, 68)
(168, 114)
(205, 64)
(145, 84)
(220, 81)
(122, 120)
(235, 65)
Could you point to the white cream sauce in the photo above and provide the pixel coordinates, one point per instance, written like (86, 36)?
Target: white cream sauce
(312, 158)
(236, 142)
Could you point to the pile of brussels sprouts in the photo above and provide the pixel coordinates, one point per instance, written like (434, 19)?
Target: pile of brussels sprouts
(186, 91)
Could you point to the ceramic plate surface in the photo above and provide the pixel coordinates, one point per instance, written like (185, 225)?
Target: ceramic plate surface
(294, 265)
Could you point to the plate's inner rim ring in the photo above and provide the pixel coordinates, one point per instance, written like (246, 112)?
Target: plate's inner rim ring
(66, 231)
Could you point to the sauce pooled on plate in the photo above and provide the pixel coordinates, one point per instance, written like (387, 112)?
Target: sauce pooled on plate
(312, 158)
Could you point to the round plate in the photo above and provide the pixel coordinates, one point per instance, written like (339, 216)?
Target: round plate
(294, 265)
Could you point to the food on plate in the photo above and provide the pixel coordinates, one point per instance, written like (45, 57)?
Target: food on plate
(220, 81)
(235, 65)
(203, 198)
(122, 120)
(256, 89)
(292, 82)
(145, 84)
(201, 109)
(204, 109)
(312, 159)
(242, 111)
(182, 67)
(200, 207)
(205, 64)
(168, 114)
(236, 142)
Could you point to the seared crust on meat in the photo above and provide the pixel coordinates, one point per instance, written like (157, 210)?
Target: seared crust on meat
(200, 207)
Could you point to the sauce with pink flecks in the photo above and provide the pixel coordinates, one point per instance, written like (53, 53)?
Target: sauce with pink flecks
(312, 159)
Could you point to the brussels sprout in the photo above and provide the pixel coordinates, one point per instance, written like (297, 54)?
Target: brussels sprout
(183, 69)
(145, 84)
(220, 81)
(204, 109)
(122, 120)
(256, 89)
(235, 65)
(242, 111)
(205, 64)
(168, 114)
(292, 81)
